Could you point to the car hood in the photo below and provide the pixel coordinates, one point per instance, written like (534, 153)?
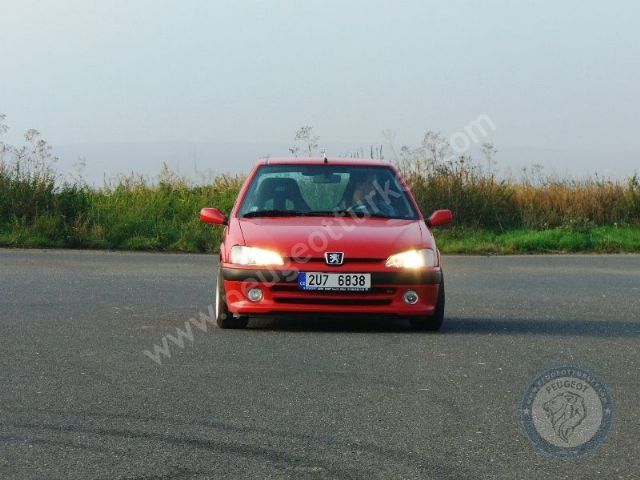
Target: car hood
(357, 238)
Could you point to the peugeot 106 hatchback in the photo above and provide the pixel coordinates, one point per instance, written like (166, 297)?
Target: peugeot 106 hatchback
(328, 236)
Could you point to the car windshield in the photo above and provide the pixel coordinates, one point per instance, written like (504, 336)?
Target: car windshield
(319, 190)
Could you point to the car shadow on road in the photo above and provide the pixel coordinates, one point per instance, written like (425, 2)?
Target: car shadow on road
(454, 325)
(330, 324)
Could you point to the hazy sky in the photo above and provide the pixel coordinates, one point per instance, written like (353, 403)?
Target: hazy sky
(552, 74)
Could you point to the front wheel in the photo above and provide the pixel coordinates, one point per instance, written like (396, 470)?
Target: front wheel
(224, 318)
(431, 322)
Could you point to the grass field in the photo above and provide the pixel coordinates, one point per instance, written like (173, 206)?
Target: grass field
(491, 215)
(455, 241)
(608, 239)
(138, 215)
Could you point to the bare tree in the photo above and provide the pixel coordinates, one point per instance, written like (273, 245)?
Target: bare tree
(489, 151)
(4, 148)
(436, 147)
(305, 141)
(31, 161)
(434, 150)
(3, 126)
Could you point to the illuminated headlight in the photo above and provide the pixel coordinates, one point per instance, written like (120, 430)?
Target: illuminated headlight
(413, 259)
(241, 255)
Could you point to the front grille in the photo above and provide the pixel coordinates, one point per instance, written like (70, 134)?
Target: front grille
(291, 294)
(345, 261)
(294, 288)
(335, 301)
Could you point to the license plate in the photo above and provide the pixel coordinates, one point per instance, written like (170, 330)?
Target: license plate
(334, 281)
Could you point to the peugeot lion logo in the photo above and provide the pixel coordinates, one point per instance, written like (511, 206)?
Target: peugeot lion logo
(334, 258)
(567, 411)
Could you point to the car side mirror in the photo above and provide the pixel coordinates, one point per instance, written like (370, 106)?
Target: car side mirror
(440, 217)
(213, 215)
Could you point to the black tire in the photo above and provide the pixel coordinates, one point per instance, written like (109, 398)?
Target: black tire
(224, 318)
(431, 322)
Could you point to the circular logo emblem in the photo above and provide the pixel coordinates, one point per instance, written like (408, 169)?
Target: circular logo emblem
(567, 412)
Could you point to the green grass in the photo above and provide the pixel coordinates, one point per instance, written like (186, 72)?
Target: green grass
(185, 233)
(132, 215)
(606, 239)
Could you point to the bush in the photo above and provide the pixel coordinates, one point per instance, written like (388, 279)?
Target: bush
(135, 212)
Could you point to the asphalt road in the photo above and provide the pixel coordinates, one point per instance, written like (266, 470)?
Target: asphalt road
(302, 398)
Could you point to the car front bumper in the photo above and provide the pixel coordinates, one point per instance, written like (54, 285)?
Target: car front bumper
(282, 295)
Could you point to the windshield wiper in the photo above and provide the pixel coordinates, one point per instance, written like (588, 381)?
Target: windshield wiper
(345, 213)
(315, 213)
(380, 215)
(273, 213)
(326, 213)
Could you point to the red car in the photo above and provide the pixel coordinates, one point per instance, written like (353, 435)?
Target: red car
(328, 236)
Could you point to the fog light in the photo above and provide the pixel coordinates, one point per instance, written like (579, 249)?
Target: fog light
(255, 295)
(411, 297)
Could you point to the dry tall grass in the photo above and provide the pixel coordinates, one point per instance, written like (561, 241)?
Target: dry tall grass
(481, 200)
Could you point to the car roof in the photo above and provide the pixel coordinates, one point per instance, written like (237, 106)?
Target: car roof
(320, 161)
